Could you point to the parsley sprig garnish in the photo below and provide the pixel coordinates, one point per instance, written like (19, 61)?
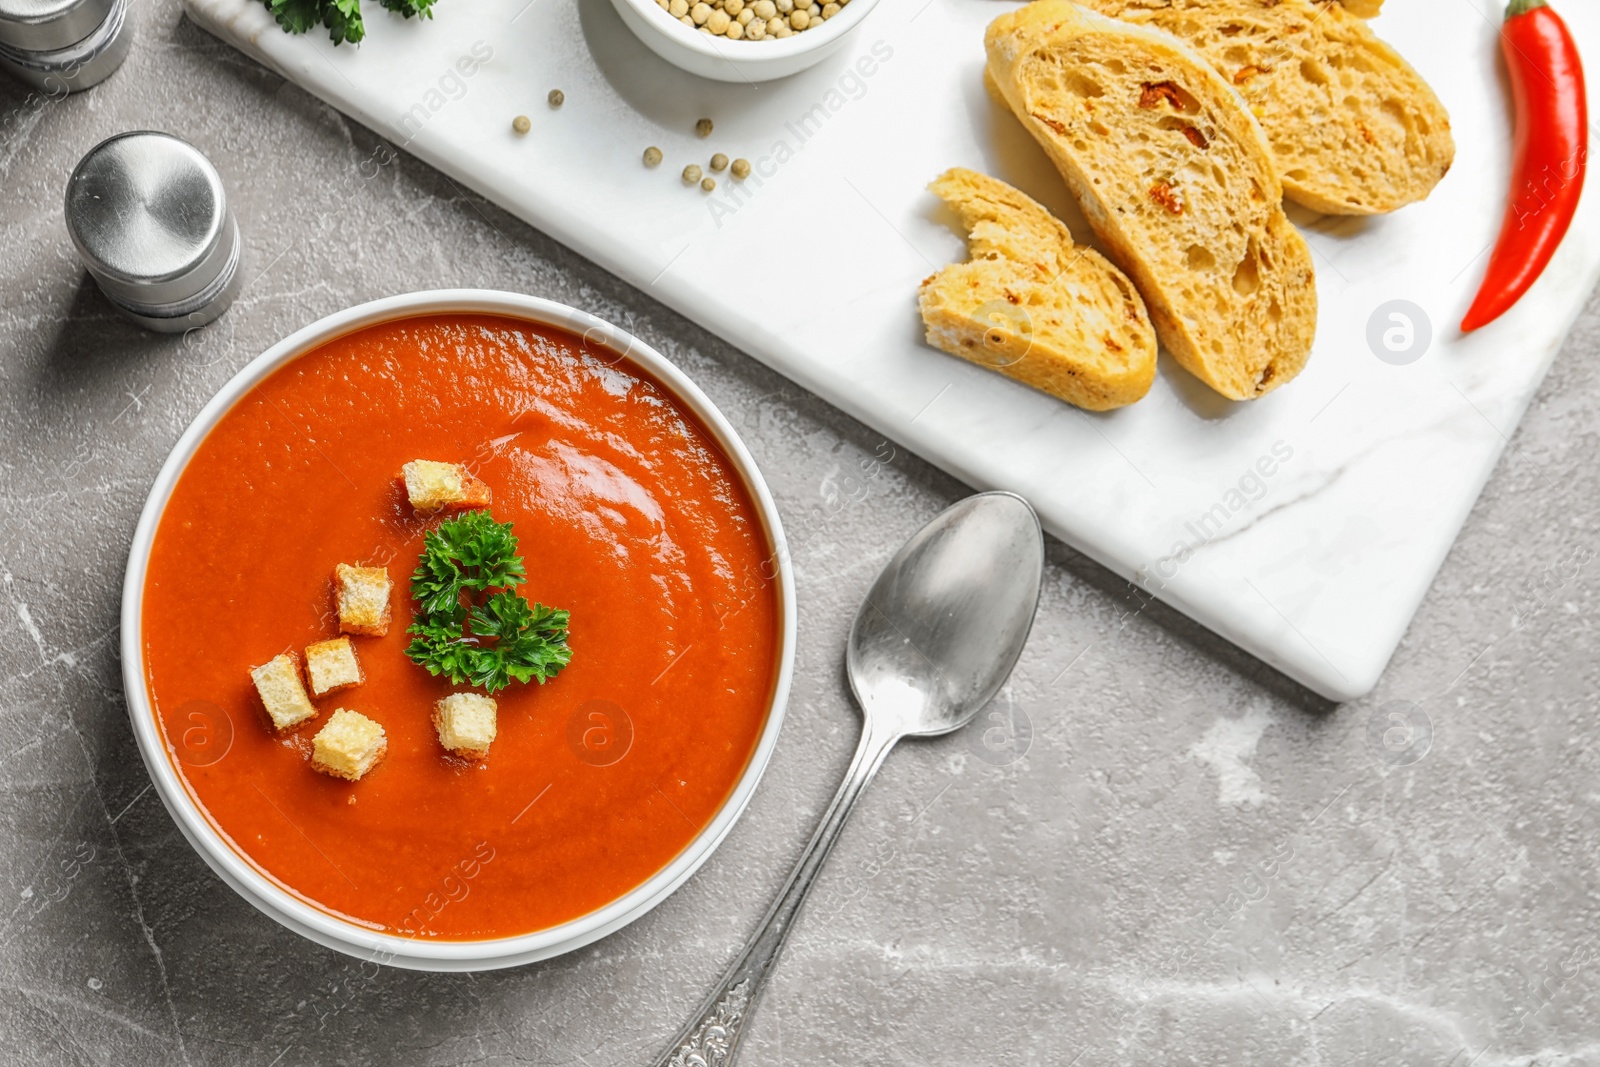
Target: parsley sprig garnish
(471, 624)
(341, 17)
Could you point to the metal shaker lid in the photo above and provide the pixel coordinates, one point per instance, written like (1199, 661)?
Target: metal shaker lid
(49, 25)
(150, 218)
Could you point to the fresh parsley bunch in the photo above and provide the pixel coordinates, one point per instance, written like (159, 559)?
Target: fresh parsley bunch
(341, 17)
(471, 624)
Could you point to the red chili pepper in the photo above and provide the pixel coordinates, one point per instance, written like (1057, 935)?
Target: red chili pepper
(1549, 160)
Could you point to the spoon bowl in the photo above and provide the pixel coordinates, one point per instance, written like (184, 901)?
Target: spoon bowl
(942, 627)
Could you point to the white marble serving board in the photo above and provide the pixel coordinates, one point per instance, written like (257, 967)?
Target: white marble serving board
(813, 270)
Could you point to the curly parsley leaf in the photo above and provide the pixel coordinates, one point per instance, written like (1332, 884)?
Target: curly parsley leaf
(437, 645)
(533, 639)
(471, 553)
(508, 639)
(419, 8)
(295, 16)
(341, 17)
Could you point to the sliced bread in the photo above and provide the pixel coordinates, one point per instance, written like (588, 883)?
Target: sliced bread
(1032, 304)
(1355, 130)
(1175, 176)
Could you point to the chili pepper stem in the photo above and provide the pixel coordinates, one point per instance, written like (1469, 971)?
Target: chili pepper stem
(1522, 7)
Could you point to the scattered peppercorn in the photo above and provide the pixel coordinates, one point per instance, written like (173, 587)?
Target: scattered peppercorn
(703, 127)
(652, 156)
(709, 184)
(719, 162)
(557, 98)
(521, 124)
(741, 169)
(691, 174)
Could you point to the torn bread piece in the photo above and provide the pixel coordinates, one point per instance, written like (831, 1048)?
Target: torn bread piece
(282, 691)
(1176, 178)
(349, 745)
(332, 665)
(466, 724)
(1355, 130)
(435, 486)
(1035, 306)
(362, 594)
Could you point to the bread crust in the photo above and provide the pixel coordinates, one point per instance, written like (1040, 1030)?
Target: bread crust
(1355, 130)
(1176, 178)
(361, 595)
(348, 746)
(281, 686)
(1366, 9)
(332, 666)
(435, 486)
(1035, 306)
(466, 724)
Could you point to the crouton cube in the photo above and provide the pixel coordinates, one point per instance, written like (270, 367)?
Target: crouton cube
(466, 724)
(363, 595)
(434, 486)
(282, 691)
(332, 665)
(349, 746)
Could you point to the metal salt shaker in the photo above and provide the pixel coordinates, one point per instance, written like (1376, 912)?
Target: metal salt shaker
(62, 46)
(151, 220)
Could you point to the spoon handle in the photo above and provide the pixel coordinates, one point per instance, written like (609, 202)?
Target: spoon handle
(712, 1039)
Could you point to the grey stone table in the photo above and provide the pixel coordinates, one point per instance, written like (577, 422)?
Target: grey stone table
(1192, 862)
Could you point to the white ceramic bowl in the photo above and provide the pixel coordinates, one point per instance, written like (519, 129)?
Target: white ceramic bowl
(738, 61)
(239, 872)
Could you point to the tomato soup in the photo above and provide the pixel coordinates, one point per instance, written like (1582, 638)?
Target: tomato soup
(628, 515)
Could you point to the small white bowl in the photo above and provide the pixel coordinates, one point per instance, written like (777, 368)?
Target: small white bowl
(738, 61)
(324, 927)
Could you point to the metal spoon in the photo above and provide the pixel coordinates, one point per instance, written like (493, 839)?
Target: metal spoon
(933, 642)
